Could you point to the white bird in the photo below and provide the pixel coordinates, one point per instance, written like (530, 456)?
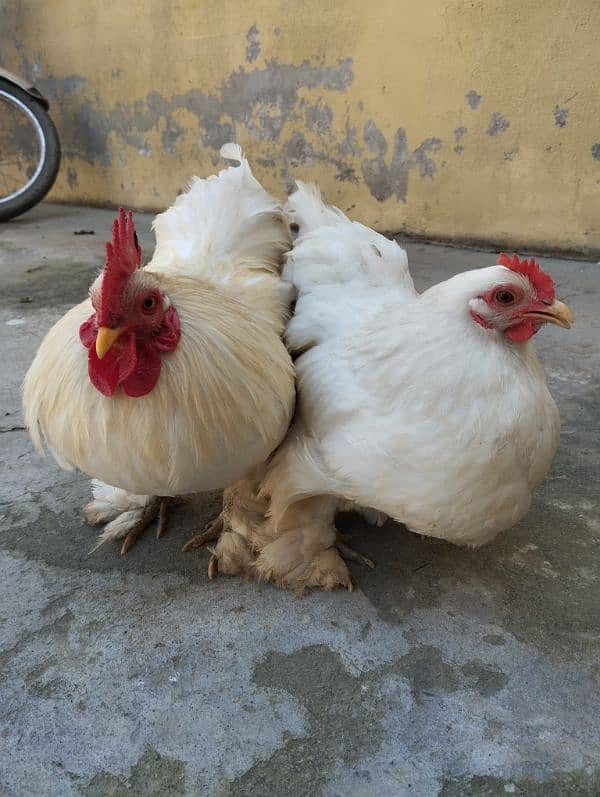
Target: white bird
(431, 409)
(172, 378)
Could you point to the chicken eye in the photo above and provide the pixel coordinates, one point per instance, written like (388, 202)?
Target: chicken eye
(504, 296)
(149, 304)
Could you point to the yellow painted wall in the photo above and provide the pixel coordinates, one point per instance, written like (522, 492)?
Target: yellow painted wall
(467, 119)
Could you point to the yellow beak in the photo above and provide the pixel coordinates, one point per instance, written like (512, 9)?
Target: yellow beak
(105, 339)
(557, 313)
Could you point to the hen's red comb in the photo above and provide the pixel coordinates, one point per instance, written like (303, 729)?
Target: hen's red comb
(542, 282)
(123, 257)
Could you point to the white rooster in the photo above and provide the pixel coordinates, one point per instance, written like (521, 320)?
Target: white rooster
(432, 409)
(172, 378)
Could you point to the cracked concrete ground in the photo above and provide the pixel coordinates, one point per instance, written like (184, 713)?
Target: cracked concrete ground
(447, 672)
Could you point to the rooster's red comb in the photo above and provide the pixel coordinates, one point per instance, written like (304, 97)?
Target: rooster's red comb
(123, 257)
(542, 282)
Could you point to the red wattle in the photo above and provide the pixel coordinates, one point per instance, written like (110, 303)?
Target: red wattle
(146, 374)
(127, 354)
(521, 332)
(132, 362)
(103, 373)
(88, 331)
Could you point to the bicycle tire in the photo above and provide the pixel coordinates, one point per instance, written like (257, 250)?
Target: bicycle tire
(45, 179)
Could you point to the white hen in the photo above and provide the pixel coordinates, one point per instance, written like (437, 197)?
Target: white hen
(432, 408)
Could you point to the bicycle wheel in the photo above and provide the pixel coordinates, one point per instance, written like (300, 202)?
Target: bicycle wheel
(29, 151)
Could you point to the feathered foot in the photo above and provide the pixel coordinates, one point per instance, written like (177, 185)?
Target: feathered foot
(311, 554)
(282, 563)
(126, 524)
(234, 529)
(231, 555)
(158, 507)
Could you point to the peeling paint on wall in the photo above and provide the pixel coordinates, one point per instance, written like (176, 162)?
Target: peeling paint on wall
(391, 179)
(252, 44)
(498, 124)
(318, 117)
(473, 98)
(71, 177)
(561, 116)
(326, 97)
(298, 152)
(263, 101)
(459, 133)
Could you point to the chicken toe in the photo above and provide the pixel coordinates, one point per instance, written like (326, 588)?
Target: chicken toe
(353, 556)
(130, 524)
(230, 556)
(212, 531)
(161, 526)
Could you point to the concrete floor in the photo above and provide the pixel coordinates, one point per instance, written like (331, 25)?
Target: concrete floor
(447, 671)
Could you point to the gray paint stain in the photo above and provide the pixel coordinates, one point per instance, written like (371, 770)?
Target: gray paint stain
(252, 44)
(561, 116)
(473, 98)
(318, 117)
(71, 177)
(349, 145)
(459, 133)
(498, 124)
(374, 138)
(297, 151)
(596, 152)
(391, 179)
(420, 157)
(511, 154)
(383, 179)
(171, 135)
(50, 86)
(263, 101)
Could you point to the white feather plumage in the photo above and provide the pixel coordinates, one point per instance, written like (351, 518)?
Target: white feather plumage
(225, 395)
(404, 403)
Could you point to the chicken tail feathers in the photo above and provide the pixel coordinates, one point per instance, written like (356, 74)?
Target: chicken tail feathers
(223, 230)
(306, 209)
(232, 152)
(332, 250)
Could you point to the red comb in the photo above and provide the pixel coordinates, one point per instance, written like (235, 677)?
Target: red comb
(542, 282)
(123, 257)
